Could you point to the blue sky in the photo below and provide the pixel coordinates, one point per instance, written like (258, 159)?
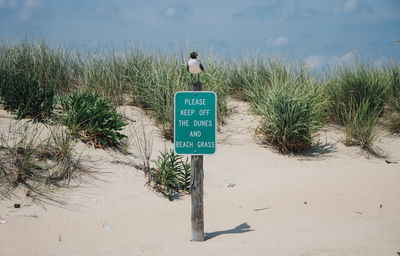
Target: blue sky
(320, 32)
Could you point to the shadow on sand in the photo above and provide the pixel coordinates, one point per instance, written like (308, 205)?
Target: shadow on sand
(242, 228)
(318, 152)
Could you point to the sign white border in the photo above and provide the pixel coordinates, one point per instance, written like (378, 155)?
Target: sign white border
(216, 120)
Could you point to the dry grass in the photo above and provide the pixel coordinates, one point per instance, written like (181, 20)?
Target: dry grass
(141, 140)
(38, 165)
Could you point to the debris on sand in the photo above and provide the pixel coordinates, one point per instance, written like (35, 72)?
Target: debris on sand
(106, 226)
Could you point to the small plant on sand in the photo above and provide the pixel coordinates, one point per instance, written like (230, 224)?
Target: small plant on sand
(38, 166)
(293, 113)
(172, 174)
(93, 118)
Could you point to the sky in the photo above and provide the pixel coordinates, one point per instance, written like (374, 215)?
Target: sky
(320, 32)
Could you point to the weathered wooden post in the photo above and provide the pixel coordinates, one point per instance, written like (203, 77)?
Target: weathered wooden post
(196, 188)
(195, 115)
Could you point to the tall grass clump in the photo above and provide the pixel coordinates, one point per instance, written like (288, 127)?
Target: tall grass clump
(24, 93)
(215, 79)
(32, 73)
(393, 78)
(29, 76)
(251, 79)
(154, 79)
(359, 130)
(51, 65)
(93, 119)
(293, 113)
(154, 85)
(358, 94)
(290, 102)
(106, 75)
(246, 74)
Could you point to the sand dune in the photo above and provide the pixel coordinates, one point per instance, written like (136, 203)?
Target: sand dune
(257, 202)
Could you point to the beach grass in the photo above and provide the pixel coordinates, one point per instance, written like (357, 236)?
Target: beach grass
(92, 118)
(357, 100)
(137, 76)
(393, 99)
(55, 66)
(39, 165)
(293, 111)
(355, 96)
(251, 78)
(171, 175)
(290, 102)
(154, 79)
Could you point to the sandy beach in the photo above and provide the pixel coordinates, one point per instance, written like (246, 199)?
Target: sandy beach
(331, 201)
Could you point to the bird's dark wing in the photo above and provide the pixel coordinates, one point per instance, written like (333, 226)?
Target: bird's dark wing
(201, 67)
(187, 67)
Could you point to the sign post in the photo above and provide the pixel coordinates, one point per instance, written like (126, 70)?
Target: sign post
(195, 134)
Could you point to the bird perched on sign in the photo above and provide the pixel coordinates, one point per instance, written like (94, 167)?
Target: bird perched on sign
(194, 65)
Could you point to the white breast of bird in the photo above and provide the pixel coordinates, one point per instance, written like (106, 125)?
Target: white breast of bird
(194, 66)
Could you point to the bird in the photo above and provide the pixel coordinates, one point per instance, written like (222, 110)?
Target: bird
(194, 65)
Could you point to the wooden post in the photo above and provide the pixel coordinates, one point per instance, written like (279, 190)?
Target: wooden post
(196, 188)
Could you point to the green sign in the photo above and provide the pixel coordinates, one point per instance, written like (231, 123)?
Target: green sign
(195, 123)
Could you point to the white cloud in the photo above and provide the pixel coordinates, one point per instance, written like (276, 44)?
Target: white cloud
(170, 12)
(176, 12)
(29, 8)
(106, 10)
(315, 61)
(348, 58)
(280, 41)
(350, 6)
(8, 3)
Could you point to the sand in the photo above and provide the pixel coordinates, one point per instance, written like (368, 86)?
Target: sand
(257, 202)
